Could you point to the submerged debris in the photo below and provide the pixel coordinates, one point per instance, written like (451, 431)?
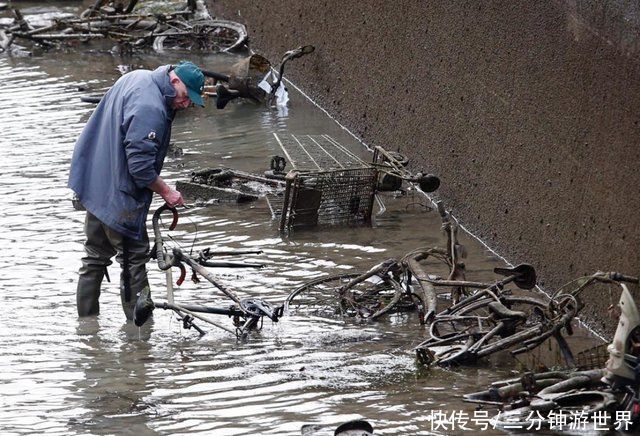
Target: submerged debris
(327, 184)
(494, 319)
(247, 313)
(389, 287)
(253, 79)
(357, 427)
(606, 398)
(481, 318)
(188, 27)
(330, 185)
(227, 185)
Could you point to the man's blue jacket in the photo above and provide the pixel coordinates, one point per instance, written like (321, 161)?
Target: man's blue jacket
(122, 148)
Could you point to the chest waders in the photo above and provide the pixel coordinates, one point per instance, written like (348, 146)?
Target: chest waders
(126, 274)
(101, 245)
(143, 306)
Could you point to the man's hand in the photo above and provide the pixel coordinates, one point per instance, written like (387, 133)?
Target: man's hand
(173, 198)
(170, 195)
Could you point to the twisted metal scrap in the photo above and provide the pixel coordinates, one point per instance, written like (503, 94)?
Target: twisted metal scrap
(120, 24)
(475, 336)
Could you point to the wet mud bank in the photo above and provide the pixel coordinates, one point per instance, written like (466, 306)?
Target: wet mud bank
(527, 111)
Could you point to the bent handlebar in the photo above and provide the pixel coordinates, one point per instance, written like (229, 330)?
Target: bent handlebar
(163, 264)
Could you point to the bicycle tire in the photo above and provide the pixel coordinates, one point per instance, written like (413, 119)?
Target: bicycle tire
(216, 35)
(91, 98)
(365, 300)
(301, 299)
(372, 302)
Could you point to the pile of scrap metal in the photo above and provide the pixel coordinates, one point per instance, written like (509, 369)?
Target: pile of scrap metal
(607, 396)
(395, 285)
(131, 24)
(494, 319)
(227, 185)
(467, 320)
(489, 317)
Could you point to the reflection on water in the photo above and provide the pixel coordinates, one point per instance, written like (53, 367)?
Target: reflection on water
(111, 397)
(59, 374)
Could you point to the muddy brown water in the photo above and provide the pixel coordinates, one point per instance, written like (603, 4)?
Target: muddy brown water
(64, 375)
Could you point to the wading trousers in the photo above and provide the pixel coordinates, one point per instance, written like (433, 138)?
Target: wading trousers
(101, 245)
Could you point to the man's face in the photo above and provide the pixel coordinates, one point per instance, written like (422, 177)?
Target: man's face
(182, 100)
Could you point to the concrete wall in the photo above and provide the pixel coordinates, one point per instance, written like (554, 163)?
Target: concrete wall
(529, 112)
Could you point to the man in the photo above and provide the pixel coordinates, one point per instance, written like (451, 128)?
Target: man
(114, 171)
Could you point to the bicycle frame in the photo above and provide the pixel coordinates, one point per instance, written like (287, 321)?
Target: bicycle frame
(555, 316)
(243, 85)
(247, 314)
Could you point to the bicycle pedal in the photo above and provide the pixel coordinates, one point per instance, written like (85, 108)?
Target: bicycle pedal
(425, 356)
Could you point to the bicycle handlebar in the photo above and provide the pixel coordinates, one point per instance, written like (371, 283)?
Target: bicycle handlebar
(163, 264)
(291, 54)
(619, 277)
(215, 75)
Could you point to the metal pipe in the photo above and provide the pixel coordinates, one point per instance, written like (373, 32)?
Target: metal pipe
(178, 308)
(285, 202)
(230, 311)
(223, 264)
(206, 274)
(232, 252)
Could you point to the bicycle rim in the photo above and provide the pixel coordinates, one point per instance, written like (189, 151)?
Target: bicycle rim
(318, 297)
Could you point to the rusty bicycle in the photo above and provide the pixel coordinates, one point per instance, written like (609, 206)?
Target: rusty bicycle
(246, 313)
(494, 320)
(395, 285)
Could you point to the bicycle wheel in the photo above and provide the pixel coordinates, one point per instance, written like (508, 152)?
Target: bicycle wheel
(336, 296)
(318, 297)
(216, 35)
(382, 295)
(574, 405)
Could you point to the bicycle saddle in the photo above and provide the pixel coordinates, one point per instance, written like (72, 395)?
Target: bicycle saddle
(502, 312)
(224, 95)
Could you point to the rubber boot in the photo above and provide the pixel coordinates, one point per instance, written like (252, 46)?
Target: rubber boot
(136, 281)
(127, 306)
(88, 291)
(144, 307)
